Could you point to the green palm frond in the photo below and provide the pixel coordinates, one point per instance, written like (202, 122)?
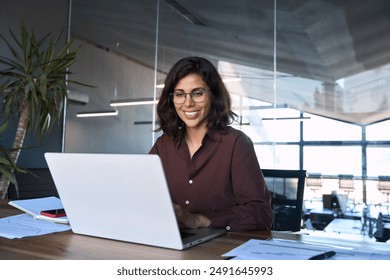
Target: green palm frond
(7, 166)
(37, 73)
(33, 87)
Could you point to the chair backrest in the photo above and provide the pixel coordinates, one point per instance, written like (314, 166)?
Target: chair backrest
(346, 182)
(384, 184)
(314, 181)
(287, 188)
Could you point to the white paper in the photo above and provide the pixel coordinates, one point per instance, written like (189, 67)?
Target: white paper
(25, 225)
(271, 250)
(279, 249)
(34, 207)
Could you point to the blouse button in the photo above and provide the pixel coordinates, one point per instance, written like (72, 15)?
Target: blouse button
(187, 202)
(190, 182)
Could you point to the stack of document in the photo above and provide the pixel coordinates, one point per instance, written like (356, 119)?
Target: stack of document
(36, 205)
(32, 223)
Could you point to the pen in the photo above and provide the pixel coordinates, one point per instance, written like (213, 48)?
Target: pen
(323, 256)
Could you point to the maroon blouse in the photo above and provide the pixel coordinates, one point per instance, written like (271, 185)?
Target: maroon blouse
(222, 181)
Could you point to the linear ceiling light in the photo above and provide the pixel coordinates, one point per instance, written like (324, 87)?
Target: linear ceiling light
(286, 119)
(231, 80)
(133, 102)
(160, 86)
(97, 114)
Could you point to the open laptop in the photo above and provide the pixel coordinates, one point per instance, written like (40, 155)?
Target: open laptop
(122, 197)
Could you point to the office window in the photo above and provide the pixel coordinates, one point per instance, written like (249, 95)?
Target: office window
(257, 133)
(378, 161)
(333, 160)
(250, 121)
(378, 131)
(283, 130)
(281, 125)
(240, 102)
(278, 156)
(325, 129)
(374, 196)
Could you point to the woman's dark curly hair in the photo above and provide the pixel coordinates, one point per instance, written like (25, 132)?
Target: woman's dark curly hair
(220, 114)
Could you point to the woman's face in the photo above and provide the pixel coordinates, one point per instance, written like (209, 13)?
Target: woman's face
(192, 113)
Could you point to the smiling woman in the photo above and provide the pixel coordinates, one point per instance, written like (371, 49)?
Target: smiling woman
(211, 168)
(193, 110)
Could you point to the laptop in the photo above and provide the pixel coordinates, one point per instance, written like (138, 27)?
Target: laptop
(122, 197)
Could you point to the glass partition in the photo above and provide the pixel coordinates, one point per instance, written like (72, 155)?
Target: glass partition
(309, 79)
(331, 65)
(118, 47)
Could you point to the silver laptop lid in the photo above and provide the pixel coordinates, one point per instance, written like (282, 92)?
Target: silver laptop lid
(116, 196)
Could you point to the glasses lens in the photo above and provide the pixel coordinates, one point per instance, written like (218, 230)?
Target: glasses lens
(197, 95)
(178, 97)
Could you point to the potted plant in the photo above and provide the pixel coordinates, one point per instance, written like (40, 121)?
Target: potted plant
(33, 87)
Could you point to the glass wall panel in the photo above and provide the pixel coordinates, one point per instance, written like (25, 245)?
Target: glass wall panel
(333, 160)
(278, 156)
(334, 69)
(118, 46)
(283, 130)
(378, 161)
(237, 36)
(312, 69)
(282, 124)
(324, 129)
(250, 119)
(336, 65)
(378, 131)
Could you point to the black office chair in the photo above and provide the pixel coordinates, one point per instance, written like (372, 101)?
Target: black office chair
(287, 188)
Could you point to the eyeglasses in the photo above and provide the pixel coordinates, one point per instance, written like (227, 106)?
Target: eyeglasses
(197, 95)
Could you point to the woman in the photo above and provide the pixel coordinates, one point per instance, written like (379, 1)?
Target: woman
(211, 168)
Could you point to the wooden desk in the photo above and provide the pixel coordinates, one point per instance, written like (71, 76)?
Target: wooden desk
(66, 245)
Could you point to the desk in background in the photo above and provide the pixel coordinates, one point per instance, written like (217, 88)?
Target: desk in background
(67, 245)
